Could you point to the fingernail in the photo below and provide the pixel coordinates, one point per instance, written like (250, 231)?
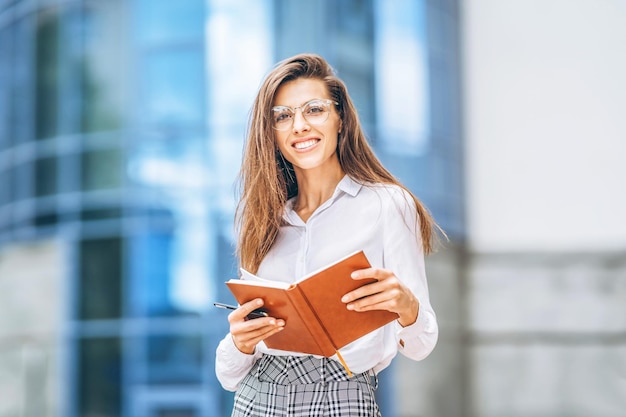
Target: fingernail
(350, 306)
(281, 323)
(344, 299)
(272, 322)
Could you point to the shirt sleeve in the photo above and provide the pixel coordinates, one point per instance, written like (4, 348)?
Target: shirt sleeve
(404, 256)
(232, 365)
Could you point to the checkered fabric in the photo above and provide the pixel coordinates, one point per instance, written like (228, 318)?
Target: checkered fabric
(280, 386)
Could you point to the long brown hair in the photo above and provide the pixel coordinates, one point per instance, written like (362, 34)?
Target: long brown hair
(267, 180)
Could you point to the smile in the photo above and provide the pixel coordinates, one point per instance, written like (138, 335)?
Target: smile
(305, 144)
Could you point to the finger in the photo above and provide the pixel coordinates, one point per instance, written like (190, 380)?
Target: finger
(363, 291)
(267, 331)
(387, 283)
(380, 301)
(248, 344)
(375, 273)
(240, 313)
(394, 298)
(247, 334)
(254, 328)
(372, 297)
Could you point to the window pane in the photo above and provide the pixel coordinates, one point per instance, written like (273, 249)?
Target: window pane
(173, 87)
(6, 185)
(403, 108)
(5, 83)
(175, 359)
(102, 213)
(21, 120)
(105, 72)
(166, 20)
(45, 177)
(67, 166)
(46, 219)
(180, 282)
(46, 55)
(23, 180)
(150, 270)
(100, 279)
(355, 55)
(101, 169)
(99, 386)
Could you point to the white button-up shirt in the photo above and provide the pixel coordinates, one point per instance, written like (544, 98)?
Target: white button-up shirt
(378, 219)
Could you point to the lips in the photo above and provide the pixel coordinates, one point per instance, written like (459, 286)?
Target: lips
(305, 144)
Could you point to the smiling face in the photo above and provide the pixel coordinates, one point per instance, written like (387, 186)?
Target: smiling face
(305, 145)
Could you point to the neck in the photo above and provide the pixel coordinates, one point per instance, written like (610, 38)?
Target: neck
(315, 187)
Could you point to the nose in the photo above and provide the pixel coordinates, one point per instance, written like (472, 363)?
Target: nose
(300, 124)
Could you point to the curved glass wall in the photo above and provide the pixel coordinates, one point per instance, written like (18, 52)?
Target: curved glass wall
(121, 128)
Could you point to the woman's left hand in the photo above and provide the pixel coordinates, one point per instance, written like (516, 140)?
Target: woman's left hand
(388, 293)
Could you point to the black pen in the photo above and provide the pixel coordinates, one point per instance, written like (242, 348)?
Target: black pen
(258, 313)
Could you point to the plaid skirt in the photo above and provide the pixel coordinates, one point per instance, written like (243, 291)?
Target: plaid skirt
(304, 386)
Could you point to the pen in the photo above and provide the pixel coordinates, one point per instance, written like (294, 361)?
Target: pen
(258, 313)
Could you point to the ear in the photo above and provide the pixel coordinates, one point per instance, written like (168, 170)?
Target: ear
(340, 125)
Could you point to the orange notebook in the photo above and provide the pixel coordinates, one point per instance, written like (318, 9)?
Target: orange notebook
(316, 321)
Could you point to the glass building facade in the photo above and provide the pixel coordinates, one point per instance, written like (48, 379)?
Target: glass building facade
(121, 129)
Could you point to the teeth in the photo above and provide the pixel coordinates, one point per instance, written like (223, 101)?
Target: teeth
(306, 144)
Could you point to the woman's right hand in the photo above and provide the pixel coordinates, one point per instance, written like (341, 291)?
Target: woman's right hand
(247, 334)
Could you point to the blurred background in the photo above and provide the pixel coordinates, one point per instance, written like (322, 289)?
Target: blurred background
(121, 129)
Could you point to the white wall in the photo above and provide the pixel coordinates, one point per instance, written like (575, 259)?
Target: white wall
(32, 313)
(545, 124)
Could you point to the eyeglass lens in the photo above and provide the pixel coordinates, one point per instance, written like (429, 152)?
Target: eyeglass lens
(314, 112)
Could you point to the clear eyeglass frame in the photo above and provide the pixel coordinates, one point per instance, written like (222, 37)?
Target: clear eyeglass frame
(315, 112)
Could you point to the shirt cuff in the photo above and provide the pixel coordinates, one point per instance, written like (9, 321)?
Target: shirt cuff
(413, 331)
(231, 364)
(234, 356)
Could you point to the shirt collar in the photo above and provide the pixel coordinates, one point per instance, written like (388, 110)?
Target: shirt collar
(347, 185)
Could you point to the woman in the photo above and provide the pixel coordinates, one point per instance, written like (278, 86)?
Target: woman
(312, 192)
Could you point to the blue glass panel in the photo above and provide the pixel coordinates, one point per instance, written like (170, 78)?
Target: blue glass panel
(99, 386)
(235, 75)
(176, 161)
(5, 83)
(402, 90)
(46, 176)
(239, 53)
(22, 118)
(149, 264)
(173, 87)
(100, 273)
(167, 20)
(22, 187)
(47, 68)
(354, 56)
(173, 175)
(103, 67)
(101, 169)
(175, 359)
(6, 173)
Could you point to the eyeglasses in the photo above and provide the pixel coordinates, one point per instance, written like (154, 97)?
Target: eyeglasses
(315, 112)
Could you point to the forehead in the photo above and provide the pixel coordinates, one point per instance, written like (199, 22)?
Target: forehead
(297, 92)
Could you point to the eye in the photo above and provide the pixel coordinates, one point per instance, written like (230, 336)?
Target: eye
(315, 109)
(282, 115)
